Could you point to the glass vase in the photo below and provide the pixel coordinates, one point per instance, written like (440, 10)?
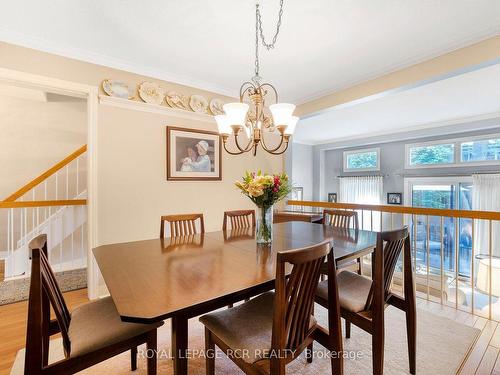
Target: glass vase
(264, 224)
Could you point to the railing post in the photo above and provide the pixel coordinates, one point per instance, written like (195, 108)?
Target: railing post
(77, 175)
(472, 265)
(441, 268)
(427, 252)
(12, 242)
(414, 242)
(490, 266)
(457, 220)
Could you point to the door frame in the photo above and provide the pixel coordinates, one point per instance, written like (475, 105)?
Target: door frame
(90, 93)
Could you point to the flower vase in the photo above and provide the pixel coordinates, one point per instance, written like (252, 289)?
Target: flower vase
(264, 224)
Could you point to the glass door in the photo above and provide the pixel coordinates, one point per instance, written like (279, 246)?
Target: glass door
(435, 240)
(444, 193)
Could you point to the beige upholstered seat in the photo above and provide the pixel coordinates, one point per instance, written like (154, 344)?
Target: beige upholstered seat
(354, 290)
(246, 328)
(97, 324)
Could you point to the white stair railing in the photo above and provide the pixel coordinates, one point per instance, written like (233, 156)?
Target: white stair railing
(54, 203)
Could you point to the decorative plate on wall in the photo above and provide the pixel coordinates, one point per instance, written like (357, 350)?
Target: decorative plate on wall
(151, 93)
(117, 89)
(216, 107)
(198, 104)
(176, 100)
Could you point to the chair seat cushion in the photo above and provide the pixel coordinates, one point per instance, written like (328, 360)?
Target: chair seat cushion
(354, 290)
(247, 328)
(97, 324)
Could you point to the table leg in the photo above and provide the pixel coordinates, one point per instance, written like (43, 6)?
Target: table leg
(179, 344)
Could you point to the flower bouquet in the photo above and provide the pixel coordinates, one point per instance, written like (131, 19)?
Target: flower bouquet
(264, 190)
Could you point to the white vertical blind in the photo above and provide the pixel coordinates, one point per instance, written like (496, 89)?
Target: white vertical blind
(363, 190)
(486, 197)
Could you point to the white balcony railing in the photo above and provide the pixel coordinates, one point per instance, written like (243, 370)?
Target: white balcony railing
(453, 266)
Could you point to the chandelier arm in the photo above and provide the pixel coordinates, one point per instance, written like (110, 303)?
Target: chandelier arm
(281, 152)
(264, 146)
(231, 152)
(273, 89)
(243, 88)
(247, 148)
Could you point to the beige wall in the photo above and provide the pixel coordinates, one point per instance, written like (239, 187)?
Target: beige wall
(133, 191)
(46, 64)
(37, 134)
(132, 187)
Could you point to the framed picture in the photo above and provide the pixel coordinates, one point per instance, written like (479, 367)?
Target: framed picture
(394, 198)
(332, 197)
(297, 193)
(193, 155)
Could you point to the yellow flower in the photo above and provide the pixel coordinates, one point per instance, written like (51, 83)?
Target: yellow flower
(264, 181)
(255, 189)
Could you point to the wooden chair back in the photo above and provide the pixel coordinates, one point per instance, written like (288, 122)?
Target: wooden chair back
(389, 247)
(181, 225)
(239, 219)
(294, 299)
(44, 293)
(341, 218)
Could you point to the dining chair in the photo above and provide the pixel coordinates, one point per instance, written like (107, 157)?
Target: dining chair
(90, 334)
(362, 301)
(342, 219)
(274, 328)
(181, 225)
(239, 219)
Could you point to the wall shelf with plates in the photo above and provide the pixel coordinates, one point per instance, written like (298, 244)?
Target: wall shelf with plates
(153, 108)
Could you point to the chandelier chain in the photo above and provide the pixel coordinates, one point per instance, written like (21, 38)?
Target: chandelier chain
(278, 25)
(259, 32)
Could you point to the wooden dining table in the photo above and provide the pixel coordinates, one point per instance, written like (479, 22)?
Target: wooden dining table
(183, 277)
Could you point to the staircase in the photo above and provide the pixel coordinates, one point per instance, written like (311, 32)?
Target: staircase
(63, 220)
(59, 226)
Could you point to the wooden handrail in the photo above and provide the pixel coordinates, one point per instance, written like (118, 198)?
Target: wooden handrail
(30, 185)
(53, 203)
(482, 215)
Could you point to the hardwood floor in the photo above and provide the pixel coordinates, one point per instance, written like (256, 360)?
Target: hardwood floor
(13, 326)
(483, 359)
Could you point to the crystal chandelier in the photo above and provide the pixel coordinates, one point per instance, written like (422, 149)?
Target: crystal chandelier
(250, 116)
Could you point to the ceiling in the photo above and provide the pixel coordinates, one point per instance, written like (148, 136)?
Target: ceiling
(323, 46)
(468, 97)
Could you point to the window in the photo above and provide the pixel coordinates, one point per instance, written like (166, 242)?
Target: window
(362, 160)
(432, 154)
(482, 150)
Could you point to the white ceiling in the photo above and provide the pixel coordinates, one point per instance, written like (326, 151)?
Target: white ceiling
(467, 97)
(324, 45)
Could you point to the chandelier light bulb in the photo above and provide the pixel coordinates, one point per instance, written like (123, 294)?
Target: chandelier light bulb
(223, 124)
(290, 129)
(282, 113)
(236, 113)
